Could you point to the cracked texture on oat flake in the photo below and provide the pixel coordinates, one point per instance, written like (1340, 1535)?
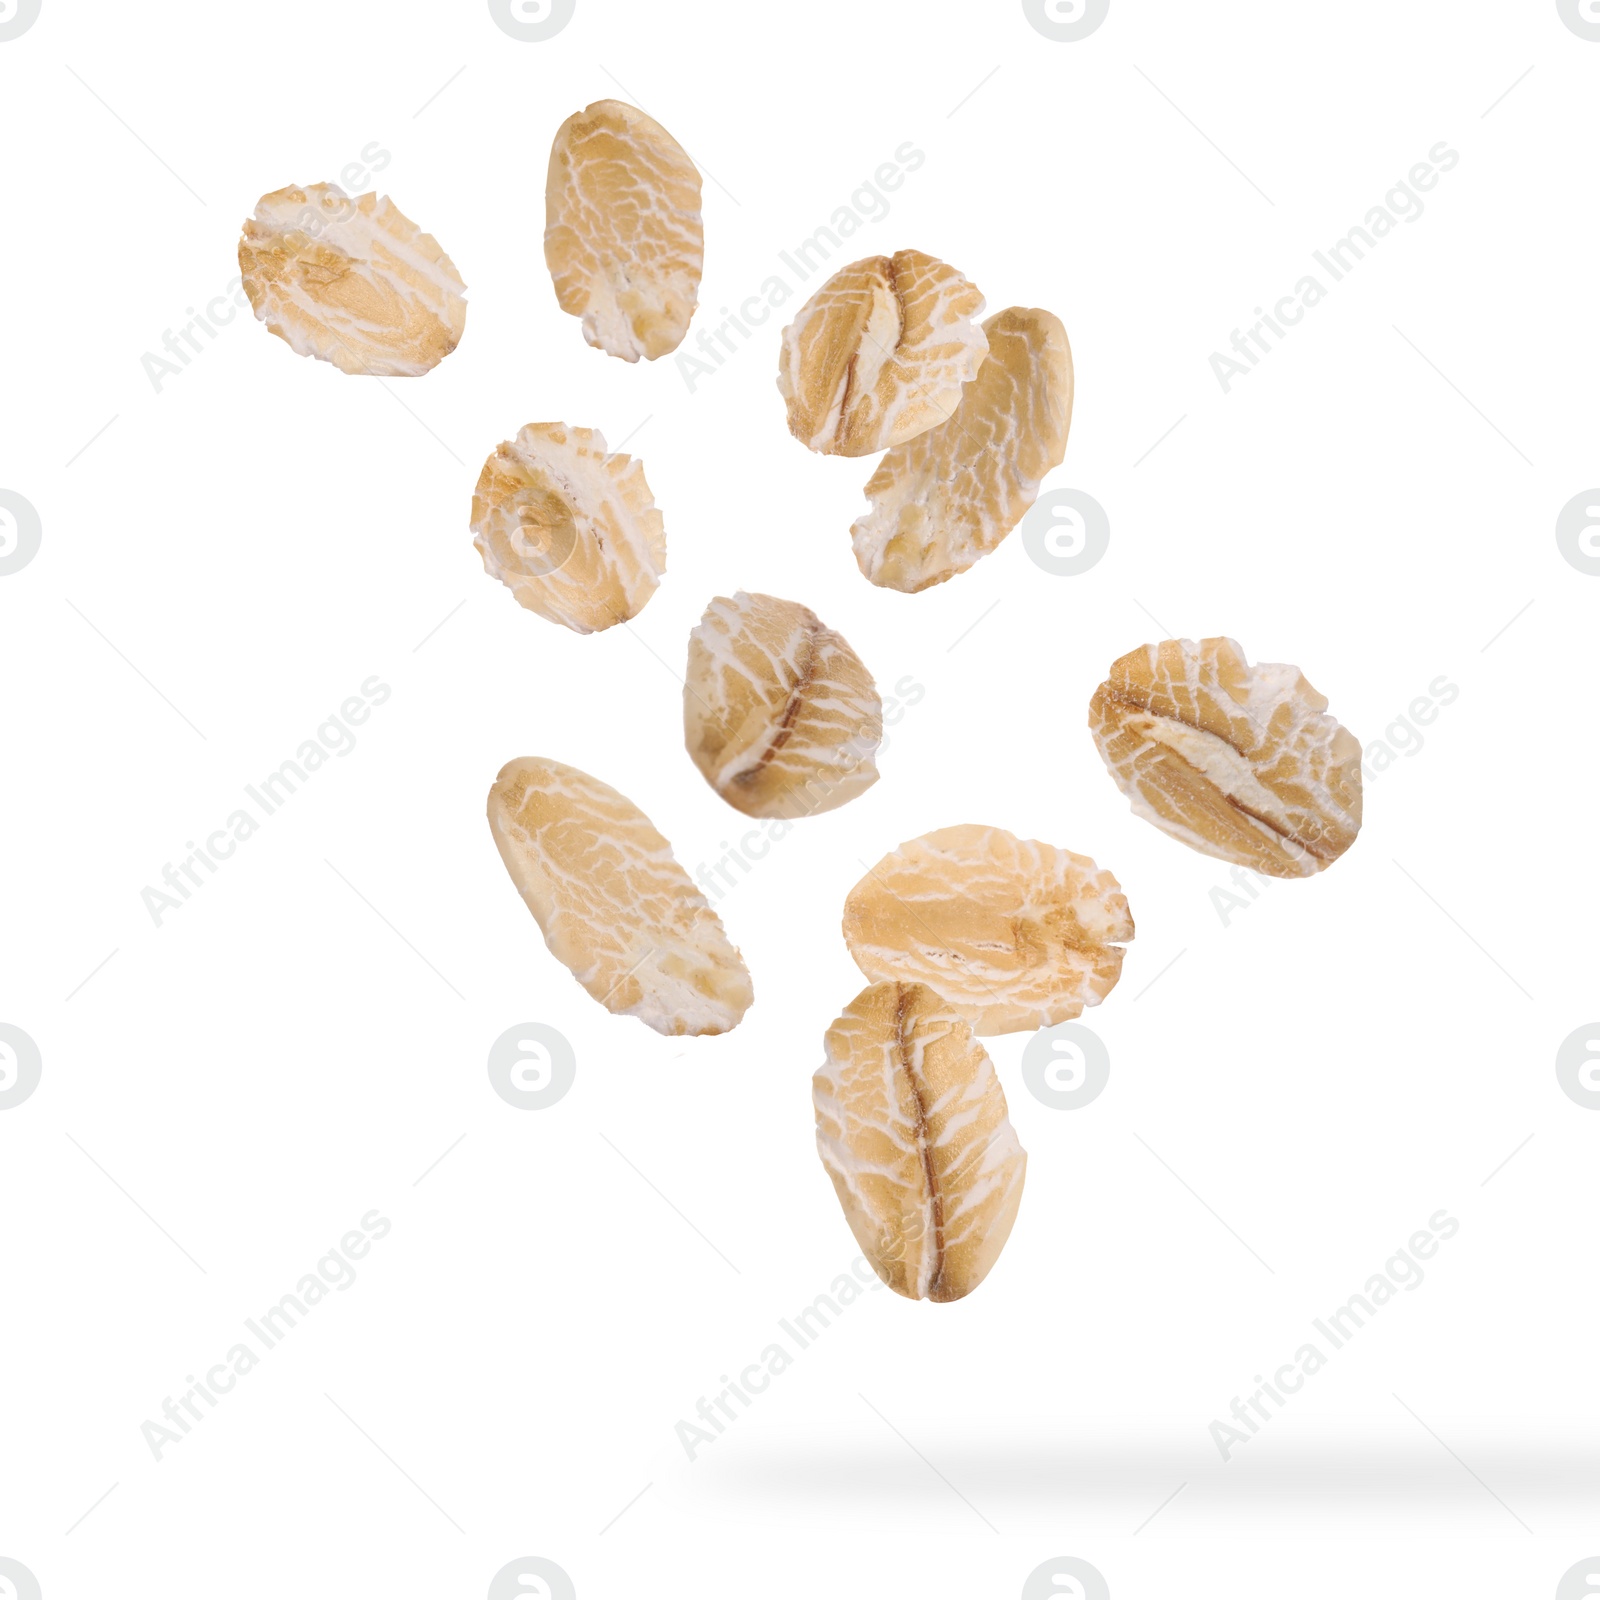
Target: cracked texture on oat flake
(623, 237)
(879, 353)
(352, 282)
(1239, 762)
(613, 904)
(949, 496)
(572, 531)
(1013, 933)
(913, 1129)
(779, 713)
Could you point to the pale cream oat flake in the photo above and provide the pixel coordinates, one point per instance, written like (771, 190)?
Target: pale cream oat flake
(913, 1129)
(879, 353)
(351, 281)
(779, 713)
(623, 237)
(1239, 762)
(613, 904)
(1014, 933)
(570, 529)
(949, 496)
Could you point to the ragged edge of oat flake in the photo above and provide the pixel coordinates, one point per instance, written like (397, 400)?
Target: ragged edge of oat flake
(948, 497)
(880, 353)
(1014, 933)
(353, 282)
(624, 240)
(914, 1132)
(613, 904)
(781, 717)
(572, 530)
(1238, 762)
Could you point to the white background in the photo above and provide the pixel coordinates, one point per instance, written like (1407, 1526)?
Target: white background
(1292, 1095)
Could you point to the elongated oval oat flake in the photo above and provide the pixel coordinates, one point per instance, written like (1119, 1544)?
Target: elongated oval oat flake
(913, 1129)
(948, 497)
(623, 237)
(613, 904)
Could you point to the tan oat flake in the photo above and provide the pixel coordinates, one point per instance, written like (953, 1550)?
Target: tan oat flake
(879, 353)
(913, 1129)
(572, 531)
(1239, 762)
(1013, 933)
(351, 281)
(623, 236)
(949, 496)
(615, 907)
(779, 713)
